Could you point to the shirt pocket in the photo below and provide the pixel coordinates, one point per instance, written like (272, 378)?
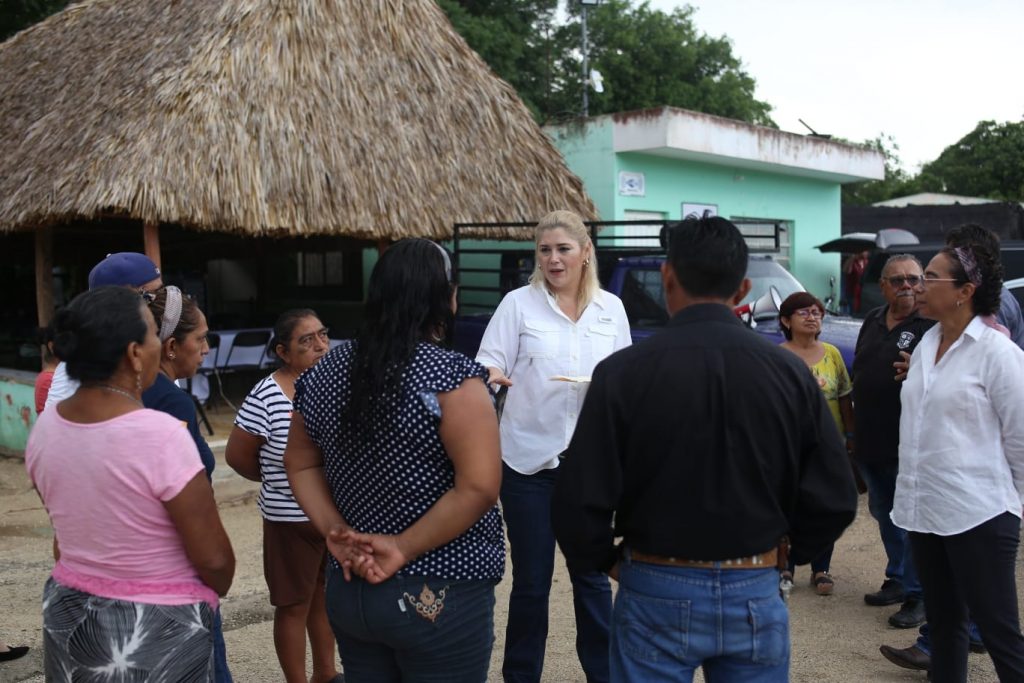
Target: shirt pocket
(540, 339)
(602, 339)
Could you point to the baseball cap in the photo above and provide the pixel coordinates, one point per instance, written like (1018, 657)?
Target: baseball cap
(123, 269)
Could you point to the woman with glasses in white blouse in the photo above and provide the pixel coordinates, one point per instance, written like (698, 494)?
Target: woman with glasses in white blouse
(961, 472)
(562, 325)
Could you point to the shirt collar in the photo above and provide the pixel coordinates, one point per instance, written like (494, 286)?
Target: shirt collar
(885, 314)
(599, 297)
(975, 328)
(704, 312)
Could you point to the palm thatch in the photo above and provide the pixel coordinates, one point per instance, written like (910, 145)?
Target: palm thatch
(368, 118)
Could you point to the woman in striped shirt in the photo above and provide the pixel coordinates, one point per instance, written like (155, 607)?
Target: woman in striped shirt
(293, 551)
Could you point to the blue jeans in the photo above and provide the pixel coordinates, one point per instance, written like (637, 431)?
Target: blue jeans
(924, 639)
(668, 621)
(526, 506)
(413, 629)
(221, 673)
(881, 481)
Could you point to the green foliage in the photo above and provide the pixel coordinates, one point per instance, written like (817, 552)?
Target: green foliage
(897, 182)
(650, 58)
(987, 162)
(16, 15)
(514, 37)
(647, 58)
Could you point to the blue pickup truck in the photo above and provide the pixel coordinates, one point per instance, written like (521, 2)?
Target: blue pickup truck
(637, 281)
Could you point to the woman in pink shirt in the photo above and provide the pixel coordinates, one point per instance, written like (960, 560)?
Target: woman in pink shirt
(141, 555)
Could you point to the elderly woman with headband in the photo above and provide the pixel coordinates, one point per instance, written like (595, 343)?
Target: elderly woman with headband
(182, 350)
(182, 332)
(961, 471)
(561, 324)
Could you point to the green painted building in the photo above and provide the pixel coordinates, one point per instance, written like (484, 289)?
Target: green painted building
(667, 163)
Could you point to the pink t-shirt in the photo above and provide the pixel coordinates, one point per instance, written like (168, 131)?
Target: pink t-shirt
(104, 485)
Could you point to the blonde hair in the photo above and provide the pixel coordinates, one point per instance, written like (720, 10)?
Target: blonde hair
(577, 231)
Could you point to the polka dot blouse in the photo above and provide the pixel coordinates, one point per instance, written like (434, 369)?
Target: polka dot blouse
(385, 482)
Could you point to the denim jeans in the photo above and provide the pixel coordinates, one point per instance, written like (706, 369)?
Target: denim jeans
(668, 621)
(221, 673)
(924, 639)
(881, 481)
(526, 506)
(413, 629)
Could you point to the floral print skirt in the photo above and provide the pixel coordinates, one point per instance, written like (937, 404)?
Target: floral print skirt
(90, 639)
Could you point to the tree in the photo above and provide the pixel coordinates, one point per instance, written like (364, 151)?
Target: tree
(647, 58)
(987, 162)
(897, 182)
(514, 37)
(16, 15)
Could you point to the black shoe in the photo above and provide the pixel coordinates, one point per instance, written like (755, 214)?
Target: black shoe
(13, 653)
(911, 657)
(911, 614)
(890, 594)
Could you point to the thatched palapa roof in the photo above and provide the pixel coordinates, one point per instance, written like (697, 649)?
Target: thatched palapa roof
(369, 118)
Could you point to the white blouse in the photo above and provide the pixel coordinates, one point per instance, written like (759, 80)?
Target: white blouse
(531, 340)
(961, 433)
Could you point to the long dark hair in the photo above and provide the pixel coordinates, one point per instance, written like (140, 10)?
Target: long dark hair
(409, 301)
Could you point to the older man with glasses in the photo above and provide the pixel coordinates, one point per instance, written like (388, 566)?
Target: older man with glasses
(888, 330)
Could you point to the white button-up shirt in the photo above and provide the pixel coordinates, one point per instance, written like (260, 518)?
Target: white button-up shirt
(961, 433)
(531, 340)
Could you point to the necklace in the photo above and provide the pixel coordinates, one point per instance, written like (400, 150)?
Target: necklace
(118, 390)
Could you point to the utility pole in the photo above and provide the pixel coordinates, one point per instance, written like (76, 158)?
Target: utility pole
(585, 82)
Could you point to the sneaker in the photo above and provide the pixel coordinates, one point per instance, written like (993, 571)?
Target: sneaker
(891, 593)
(911, 614)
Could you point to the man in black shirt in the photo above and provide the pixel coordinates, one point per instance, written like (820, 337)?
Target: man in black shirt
(706, 444)
(888, 330)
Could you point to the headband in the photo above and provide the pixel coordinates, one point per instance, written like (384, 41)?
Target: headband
(172, 313)
(969, 263)
(447, 261)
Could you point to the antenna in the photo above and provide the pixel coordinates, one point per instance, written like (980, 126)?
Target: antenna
(814, 133)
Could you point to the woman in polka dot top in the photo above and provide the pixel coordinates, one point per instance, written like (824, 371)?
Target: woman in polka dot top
(394, 456)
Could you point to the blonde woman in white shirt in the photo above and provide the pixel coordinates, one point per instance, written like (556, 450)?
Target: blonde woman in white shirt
(961, 473)
(560, 325)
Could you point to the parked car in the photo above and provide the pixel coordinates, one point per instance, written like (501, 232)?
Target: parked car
(637, 281)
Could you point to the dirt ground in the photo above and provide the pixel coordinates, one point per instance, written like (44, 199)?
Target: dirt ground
(834, 639)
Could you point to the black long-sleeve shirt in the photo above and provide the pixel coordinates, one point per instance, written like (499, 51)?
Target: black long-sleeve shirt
(706, 442)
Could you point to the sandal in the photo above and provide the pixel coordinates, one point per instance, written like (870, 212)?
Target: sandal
(823, 583)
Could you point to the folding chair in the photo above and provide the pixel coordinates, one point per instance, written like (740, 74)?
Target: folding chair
(247, 352)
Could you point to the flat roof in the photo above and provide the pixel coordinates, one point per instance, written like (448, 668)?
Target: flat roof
(683, 134)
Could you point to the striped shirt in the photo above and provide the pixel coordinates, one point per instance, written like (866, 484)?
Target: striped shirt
(267, 413)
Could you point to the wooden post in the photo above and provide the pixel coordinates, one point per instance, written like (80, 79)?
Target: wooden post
(382, 246)
(44, 275)
(151, 241)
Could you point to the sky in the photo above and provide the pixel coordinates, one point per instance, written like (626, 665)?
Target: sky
(923, 71)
